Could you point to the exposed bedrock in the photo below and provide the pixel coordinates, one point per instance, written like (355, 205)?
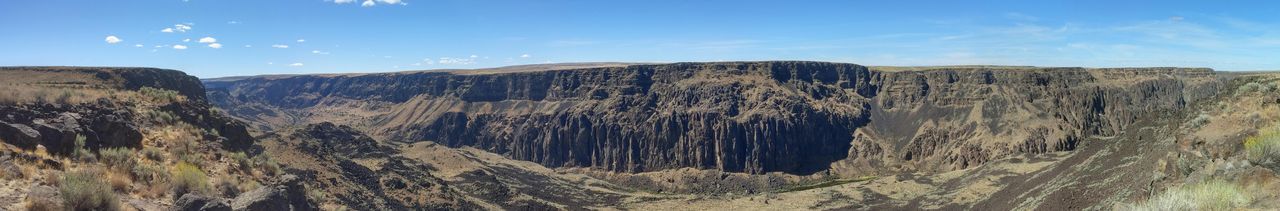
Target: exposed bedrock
(755, 117)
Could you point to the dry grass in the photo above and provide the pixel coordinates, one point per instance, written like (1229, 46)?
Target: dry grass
(41, 204)
(1212, 195)
(120, 182)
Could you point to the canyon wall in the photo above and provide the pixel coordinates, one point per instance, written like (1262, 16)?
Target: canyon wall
(754, 117)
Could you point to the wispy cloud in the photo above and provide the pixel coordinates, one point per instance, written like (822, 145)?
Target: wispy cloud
(298, 64)
(319, 52)
(457, 61)
(180, 47)
(208, 40)
(215, 45)
(177, 28)
(279, 46)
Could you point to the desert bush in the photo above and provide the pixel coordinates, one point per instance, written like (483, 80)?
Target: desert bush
(152, 154)
(80, 152)
(242, 161)
(149, 174)
(84, 190)
(1199, 121)
(119, 158)
(1212, 195)
(162, 95)
(265, 163)
(41, 204)
(1264, 149)
(1248, 88)
(163, 117)
(188, 178)
(119, 181)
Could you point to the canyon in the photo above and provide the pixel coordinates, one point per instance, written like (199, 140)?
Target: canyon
(775, 135)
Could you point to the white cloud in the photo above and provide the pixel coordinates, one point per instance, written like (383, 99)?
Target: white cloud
(525, 56)
(233, 22)
(113, 39)
(367, 3)
(186, 40)
(179, 47)
(208, 40)
(391, 1)
(215, 45)
(248, 46)
(319, 52)
(343, 1)
(279, 46)
(137, 45)
(302, 40)
(457, 61)
(295, 65)
(177, 28)
(474, 56)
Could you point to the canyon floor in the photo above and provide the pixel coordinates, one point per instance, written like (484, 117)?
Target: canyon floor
(776, 135)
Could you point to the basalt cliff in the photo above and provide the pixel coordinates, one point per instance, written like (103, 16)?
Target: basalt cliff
(751, 117)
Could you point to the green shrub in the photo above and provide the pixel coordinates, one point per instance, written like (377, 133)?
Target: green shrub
(163, 95)
(1264, 149)
(119, 158)
(188, 178)
(85, 190)
(80, 152)
(1212, 195)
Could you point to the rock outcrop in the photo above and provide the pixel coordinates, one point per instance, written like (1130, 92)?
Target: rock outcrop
(287, 194)
(755, 117)
(57, 127)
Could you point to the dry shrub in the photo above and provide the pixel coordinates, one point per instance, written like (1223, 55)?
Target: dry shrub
(41, 204)
(119, 158)
(119, 182)
(84, 190)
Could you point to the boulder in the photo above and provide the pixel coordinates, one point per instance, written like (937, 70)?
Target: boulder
(58, 136)
(287, 194)
(196, 202)
(19, 135)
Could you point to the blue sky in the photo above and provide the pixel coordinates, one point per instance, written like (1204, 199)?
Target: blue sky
(394, 35)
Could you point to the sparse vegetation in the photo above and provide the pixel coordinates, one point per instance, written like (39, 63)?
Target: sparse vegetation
(85, 190)
(150, 174)
(1199, 121)
(120, 158)
(827, 184)
(265, 163)
(152, 154)
(1252, 87)
(188, 178)
(242, 161)
(1212, 195)
(160, 95)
